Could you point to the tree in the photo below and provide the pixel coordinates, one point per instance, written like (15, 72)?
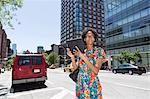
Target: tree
(51, 58)
(127, 56)
(8, 10)
(9, 62)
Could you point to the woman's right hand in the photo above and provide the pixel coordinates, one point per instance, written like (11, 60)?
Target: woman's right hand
(69, 53)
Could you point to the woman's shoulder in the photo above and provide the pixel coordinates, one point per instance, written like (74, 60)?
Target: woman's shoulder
(100, 51)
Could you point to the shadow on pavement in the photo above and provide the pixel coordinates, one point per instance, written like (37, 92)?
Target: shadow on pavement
(26, 87)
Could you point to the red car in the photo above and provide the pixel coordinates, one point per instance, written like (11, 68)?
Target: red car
(29, 68)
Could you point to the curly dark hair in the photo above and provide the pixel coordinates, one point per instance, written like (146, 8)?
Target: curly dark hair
(86, 31)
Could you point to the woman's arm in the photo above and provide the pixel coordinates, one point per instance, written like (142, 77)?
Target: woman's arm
(72, 58)
(74, 62)
(95, 68)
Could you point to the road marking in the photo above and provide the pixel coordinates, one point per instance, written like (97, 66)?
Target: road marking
(145, 89)
(13, 95)
(60, 95)
(57, 96)
(63, 93)
(47, 81)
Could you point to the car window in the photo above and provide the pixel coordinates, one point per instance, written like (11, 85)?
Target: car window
(120, 66)
(126, 65)
(123, 66)
(36, 60)
(24, 60)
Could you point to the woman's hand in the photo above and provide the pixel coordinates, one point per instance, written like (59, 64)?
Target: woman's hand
(78, 52)
(69, 53)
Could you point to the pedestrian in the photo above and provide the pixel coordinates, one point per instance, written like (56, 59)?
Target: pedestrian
(88, 84)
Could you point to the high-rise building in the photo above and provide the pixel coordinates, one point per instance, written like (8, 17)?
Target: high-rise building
(40, 49)
(127, 27)
(8, 49)
(14, 48)
(3, 43)
(76, 15)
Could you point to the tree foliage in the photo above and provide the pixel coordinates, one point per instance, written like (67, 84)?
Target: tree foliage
(9, 62)
(51, 58)
(8, 10)
(127, 56)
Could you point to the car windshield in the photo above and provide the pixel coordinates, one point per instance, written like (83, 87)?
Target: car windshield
(24, 60)
(36, 60)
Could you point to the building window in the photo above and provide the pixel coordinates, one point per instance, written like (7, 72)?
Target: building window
(89, 3)
(85, 24)
(94, 4)
(90, 12)
(90, 16)
(130, 18)
(94, 9)
(89, 7)
(94, 21)
(94, 13)
(80, 23)
(85, 19)
(98, 14)
(90, 20)
(85, 6)
(144, 12)
(137, 16)
(85, 15)
(90, 24)
(94, 17)
(80, 6)
(85, 2)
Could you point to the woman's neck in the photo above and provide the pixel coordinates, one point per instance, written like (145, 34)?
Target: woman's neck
(89, 47)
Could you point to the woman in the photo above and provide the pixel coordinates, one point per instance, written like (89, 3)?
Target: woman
(88, 85)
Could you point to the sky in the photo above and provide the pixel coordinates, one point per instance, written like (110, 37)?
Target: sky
(40, 25)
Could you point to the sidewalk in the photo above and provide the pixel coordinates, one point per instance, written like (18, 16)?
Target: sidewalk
(61, 70)
(105, 71)
(148, 73)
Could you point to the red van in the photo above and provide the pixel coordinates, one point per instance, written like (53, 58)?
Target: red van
(29, 68)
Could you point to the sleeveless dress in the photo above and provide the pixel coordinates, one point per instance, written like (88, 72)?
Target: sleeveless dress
(88, 85)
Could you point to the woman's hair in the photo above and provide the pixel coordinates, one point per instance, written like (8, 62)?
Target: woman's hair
(86, 31)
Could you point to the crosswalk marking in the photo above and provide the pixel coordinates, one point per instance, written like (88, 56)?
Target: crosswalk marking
(59, 95)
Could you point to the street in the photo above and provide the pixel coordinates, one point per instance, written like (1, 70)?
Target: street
(60, 86)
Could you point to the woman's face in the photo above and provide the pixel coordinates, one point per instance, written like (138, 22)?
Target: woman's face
(89, 39)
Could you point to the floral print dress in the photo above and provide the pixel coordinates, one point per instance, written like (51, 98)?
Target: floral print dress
(88, 85)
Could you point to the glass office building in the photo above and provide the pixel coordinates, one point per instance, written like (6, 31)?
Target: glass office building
(76, 15)
(127, 27)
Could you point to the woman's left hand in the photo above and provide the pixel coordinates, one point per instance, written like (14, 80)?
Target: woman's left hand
(78, 52)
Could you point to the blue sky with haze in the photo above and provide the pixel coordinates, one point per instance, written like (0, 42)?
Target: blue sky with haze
(40, 25)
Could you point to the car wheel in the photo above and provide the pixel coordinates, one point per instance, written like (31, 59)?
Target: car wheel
(64, 70)
(130, 72)
(114, 71)
(12, 89)
(140, 73)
